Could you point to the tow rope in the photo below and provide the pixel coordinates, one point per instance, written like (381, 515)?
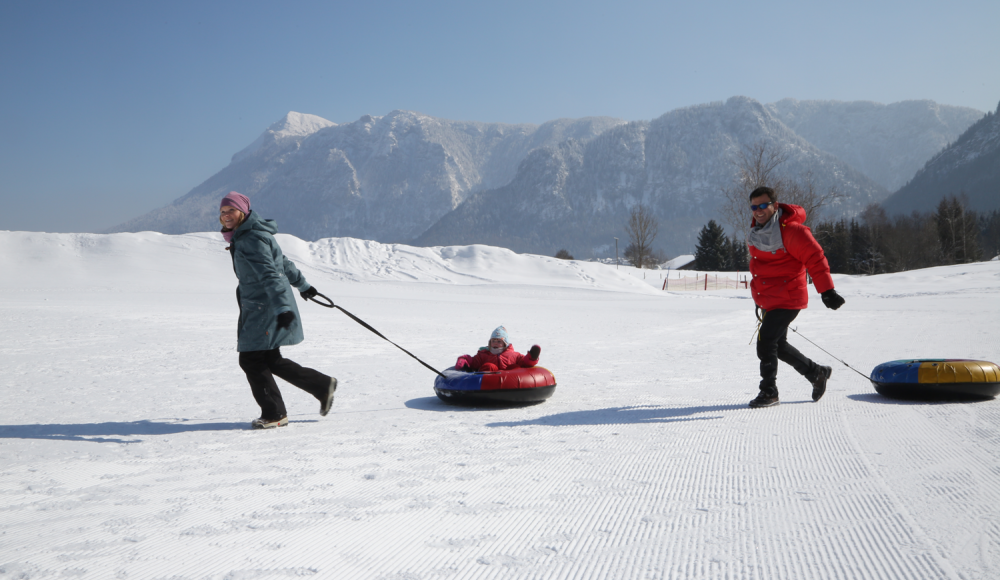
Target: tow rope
(329, 304)
(760, 320)
(827, 352)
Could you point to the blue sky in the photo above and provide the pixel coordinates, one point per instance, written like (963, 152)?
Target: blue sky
(111, 109)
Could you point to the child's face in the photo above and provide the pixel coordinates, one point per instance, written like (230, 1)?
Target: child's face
(496, 343)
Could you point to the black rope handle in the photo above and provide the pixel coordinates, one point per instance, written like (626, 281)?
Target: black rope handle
(760, 320)
(329, 304)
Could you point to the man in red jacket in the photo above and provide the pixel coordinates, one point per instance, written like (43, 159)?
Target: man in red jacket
(782, 250)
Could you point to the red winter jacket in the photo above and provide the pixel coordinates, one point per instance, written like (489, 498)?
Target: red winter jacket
(779, 277)
(508, 359)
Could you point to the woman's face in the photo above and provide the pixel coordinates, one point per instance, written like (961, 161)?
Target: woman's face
(230, 217)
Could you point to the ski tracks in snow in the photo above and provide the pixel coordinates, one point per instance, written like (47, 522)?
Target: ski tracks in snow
(645, 491)
(646, 464)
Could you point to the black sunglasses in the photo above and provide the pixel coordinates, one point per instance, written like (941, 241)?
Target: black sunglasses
(764, 205)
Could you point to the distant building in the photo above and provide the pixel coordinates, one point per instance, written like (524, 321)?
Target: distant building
(685, 262)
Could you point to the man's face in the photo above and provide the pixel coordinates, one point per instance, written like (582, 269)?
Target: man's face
(762, 214)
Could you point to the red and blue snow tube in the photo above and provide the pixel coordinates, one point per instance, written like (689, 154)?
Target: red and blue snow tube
(937, 378)
(512, 386)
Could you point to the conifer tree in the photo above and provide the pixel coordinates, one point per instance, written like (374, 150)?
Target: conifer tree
(737, 257)
(860, 249)
(838, 247)
(712, 249)
(989, 234)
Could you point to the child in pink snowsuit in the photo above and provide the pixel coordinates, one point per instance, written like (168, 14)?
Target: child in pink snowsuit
(498, 356)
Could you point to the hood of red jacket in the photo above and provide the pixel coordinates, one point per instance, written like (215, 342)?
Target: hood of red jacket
(792, 214)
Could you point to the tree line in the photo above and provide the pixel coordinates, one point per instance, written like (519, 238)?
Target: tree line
(872, 243)
(715, 252)
(876, 243)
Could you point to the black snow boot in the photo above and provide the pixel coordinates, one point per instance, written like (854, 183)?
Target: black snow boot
(263, 423)
(326, 402)
(818, 381)
(764, 400)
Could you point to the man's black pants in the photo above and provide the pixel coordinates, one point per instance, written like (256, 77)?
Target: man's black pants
(772, 345)
(261, 366)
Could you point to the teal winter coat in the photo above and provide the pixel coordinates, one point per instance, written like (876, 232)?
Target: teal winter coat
(266, 278)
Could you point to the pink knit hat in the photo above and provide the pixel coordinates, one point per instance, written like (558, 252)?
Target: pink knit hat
(237, 200)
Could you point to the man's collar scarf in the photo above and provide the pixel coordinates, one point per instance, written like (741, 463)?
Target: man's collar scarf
(767, 238)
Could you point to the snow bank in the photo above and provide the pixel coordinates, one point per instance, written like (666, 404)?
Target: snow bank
(125, 449)
(191, 261)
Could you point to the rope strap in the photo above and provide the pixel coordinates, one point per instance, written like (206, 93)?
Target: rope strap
(760, 320)
(834, 358)
(329, 304)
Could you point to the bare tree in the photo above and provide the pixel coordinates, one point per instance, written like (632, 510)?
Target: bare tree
(753, 166)
(958, 230)
(911, 242)
(757, 166)
(804, 193)
(641, 228)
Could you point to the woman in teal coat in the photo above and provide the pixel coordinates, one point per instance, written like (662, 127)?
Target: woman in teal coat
(269, 318)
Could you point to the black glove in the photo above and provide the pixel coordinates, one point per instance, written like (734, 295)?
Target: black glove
(832, 300)
(307, 294)
(534, 352)
(285, 319)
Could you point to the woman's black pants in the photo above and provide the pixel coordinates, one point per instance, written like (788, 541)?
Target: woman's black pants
(261, 366)
(772, 345)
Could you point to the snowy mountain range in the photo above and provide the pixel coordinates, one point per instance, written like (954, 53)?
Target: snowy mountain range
(579, 195)
(969, 166)
(564, 184)
(885, 142)
(380, 178)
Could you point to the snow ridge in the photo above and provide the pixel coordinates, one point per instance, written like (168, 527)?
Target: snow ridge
(293, 127)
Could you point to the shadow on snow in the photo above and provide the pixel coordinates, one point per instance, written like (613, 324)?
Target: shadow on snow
(627, 415)
(637, 414)
(108, 432)
(436, 404)
(919, 400)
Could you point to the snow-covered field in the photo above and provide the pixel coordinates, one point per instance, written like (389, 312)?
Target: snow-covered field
(125, 448)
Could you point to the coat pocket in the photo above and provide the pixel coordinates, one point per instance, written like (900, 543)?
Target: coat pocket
(773, 290)
(254, 316)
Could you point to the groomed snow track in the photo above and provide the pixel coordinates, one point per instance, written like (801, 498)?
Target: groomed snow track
(125, 449)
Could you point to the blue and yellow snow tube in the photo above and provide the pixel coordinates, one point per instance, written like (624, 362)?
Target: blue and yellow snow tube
(937, 378)
(515, 386)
